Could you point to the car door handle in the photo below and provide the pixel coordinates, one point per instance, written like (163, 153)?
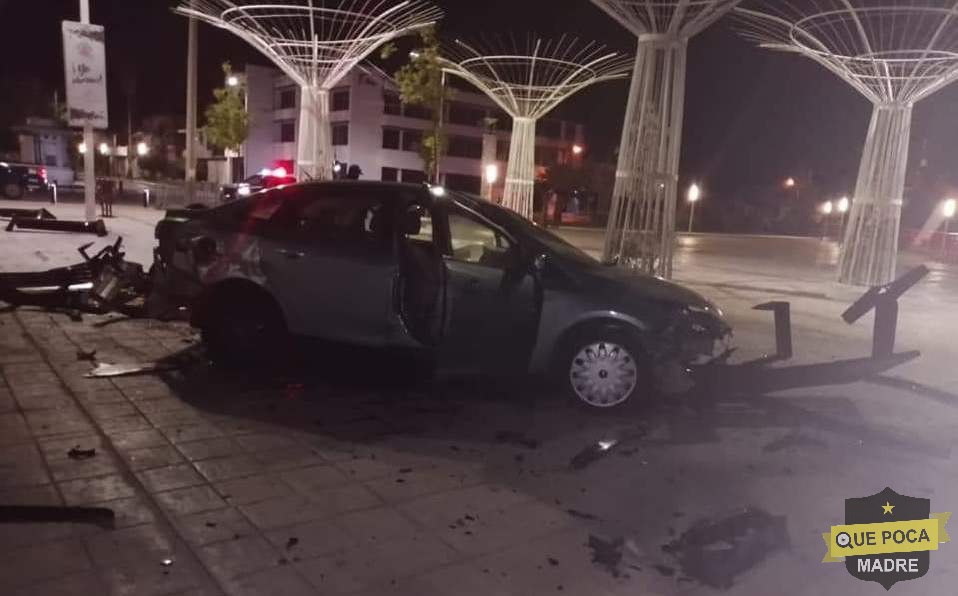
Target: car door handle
(291, 254)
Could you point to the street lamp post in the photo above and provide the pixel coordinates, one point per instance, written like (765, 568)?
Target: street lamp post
(843, 205)
(694, 195)
(827, 209)
(790, 184)
(948, 209)
(89, 168)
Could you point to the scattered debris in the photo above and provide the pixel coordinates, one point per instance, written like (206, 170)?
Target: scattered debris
(293, 541)
(57, 225)
(86, 355)
(98, 516)
(592, 453)
(105, 369)
(553, 561)
(210, 524)
(664, 570)
(400, 480)
(714, 552)
(607, 553)
(511, 437)
(283, 561)
(581, 514)
(77, 453)
(469, 517)
(793, 439)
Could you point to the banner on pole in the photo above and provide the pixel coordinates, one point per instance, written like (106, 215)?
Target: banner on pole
(84, 59)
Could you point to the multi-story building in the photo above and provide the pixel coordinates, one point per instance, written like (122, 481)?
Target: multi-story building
(371, 128)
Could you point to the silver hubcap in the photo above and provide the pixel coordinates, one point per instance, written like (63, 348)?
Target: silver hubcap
(603, 374)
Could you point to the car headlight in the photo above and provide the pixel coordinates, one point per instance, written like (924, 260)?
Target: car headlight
(709, 309)
(243, 191)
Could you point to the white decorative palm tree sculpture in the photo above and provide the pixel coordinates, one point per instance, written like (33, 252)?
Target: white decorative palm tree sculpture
(641, 228)
(316, 43)
(527, 82)
(893, 53)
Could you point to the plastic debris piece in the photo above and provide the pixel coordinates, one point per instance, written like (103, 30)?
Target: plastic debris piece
(77, 453)
(293, 541)
(98, 516)
(105, 369)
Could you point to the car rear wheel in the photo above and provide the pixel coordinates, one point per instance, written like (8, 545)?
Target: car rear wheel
(245, 330)
(605, 370)
(12, 190)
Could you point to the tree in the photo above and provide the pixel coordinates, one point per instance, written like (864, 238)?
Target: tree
(227, 123)
(421, 83)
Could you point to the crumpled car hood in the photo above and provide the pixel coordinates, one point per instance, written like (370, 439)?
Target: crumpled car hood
(613, 279)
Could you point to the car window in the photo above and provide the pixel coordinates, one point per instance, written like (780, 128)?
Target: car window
(338, 220)
(473, 241)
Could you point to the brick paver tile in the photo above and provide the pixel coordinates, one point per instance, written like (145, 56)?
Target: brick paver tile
(194, 499)
(32, 564)
(278, 581)
(169, 477)
(85, 583)
(137, 439)
(57, 422)
(208, 448)
(314, 478)
(152, 457)
(225, 468)
(243, 491)
(213, 526)
(191, 432)
(242, 556)
(13, 429)
(90, 490)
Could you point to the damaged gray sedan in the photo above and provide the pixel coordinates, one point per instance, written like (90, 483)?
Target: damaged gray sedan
(472, 285)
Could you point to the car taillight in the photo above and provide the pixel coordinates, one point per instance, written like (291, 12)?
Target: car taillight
(42, 173)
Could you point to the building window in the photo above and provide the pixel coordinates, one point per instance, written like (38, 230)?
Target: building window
(470, 147)
(465, 114)
(550, 129)
(340, 133)
(390, 175)
(391, 138)
(502, 150)
(464, 183)
(287, 131)
(413, 176)
(340, 100)
(392, 105)
(411, 140)
(418, 112)
(547, 156)
(286, 98)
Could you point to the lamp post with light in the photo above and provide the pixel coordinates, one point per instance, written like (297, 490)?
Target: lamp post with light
(693, 196)
(843, 205)
(827, 209)
(948, 209)
(791, 184)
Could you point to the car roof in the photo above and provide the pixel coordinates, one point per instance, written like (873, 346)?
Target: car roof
(362, 184)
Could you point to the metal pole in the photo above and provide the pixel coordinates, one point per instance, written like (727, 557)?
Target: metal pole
(190, 165)
(89, 171)
(437, 154)
(692, 215)
(944, 237)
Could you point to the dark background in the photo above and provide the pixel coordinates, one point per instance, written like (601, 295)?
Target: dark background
(753, 117)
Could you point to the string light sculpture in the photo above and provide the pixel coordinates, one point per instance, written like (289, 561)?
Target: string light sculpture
(895, 53)
(315, 43)
(528, 80)
(641, 229)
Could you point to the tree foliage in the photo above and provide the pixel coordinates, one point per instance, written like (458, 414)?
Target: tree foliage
(227, 123)
(421, 83)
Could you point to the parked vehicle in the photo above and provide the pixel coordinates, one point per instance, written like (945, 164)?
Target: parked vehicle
(17, 179)
(254, 184)
(473, 285)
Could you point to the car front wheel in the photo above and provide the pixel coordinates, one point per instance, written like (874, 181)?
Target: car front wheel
(604, 370)
(245, 330)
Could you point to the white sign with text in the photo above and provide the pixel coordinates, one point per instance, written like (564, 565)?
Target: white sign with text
(84, 58)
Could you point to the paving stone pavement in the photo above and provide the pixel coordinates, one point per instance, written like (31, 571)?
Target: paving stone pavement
(235, 497)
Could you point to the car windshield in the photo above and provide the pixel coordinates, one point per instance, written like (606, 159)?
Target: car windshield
(523, 227)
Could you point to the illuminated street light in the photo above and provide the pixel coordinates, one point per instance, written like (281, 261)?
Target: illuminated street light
(693, 196)
(577, 149)
(232, 81)
(828, 207)
(948, 208)
(492, 173)
(790, 182)
(81, 148)
(104, 149)
(843, 204)
(142, 149)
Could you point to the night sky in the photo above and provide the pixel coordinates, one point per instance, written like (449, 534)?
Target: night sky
(753, 117)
